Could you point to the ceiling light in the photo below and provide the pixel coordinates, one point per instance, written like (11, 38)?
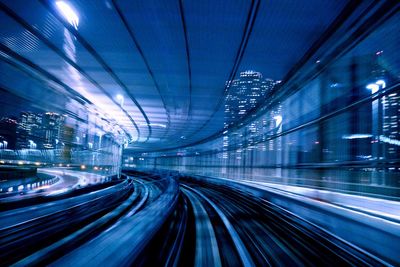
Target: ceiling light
(68, 13)
(120, 99)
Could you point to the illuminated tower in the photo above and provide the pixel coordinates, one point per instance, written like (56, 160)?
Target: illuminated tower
(52, 126)
(29, 130)
(245, 94)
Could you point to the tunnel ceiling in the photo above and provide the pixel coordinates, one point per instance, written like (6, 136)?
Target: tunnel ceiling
(158, 68)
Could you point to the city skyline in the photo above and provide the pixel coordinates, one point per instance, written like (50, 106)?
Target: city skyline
(32, 130)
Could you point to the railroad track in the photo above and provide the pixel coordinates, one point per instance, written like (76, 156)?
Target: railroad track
(151, 220)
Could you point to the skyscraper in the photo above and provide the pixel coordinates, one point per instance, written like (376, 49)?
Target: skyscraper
(29, 130)
(52, 127)
(245, 94)
(391, 131)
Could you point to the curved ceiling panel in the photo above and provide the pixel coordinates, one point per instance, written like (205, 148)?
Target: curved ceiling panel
(160, 69)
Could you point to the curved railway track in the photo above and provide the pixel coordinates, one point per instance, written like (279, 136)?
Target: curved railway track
(152, 220)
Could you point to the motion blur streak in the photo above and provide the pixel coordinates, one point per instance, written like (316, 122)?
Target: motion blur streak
(207, 222)
(199, 133)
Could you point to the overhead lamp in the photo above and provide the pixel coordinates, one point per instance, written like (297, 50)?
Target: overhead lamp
(68, 13)
(120, 99)
(154, 125)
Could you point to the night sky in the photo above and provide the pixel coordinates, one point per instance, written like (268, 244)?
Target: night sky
(12, 105)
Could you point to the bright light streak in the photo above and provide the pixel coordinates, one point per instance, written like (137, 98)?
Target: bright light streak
(68, 13)
(58, 192)
(120, 99)
(154, 125)
(356, 136)
(373, 87)
(388, 140)
(43, 187)
(382, 83)
(278, 120)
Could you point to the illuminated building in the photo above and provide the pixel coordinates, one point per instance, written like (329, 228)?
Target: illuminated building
(245, 94)
(52, 129)
(29, 130)
(37, 131)
(391, 131)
